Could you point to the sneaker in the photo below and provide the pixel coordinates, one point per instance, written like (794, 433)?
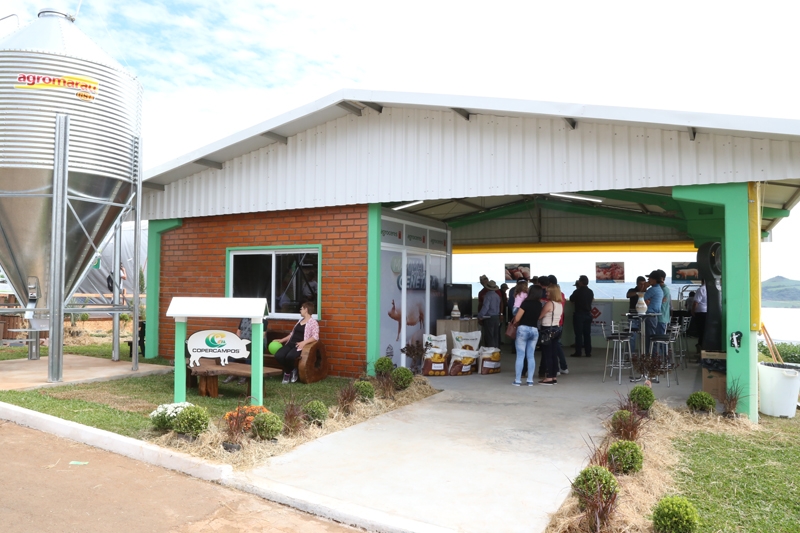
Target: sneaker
(530, 384)
(229, 379)
(241, 381)
(287, 378)
(294, 375)
(516, 383)
(565, 371)
(575, 355)
(588, 355)
(558, 373)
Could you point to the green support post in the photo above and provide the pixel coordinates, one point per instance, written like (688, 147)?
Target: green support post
(257, 362)
(735, 241)
(155, 229)
(373, 286)
(180, 360)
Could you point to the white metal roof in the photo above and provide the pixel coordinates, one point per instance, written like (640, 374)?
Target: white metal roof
(328, 108)
(464, 155)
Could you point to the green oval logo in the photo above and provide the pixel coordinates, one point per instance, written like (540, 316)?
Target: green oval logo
(215, 340)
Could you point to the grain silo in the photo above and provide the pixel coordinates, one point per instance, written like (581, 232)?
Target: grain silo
(70, 120)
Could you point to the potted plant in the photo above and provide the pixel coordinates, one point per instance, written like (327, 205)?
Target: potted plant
(416, 351)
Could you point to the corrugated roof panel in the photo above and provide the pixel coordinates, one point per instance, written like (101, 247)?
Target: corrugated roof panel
(406, 154)
(559, 227)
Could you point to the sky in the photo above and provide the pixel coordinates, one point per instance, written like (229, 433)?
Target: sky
(210, 69)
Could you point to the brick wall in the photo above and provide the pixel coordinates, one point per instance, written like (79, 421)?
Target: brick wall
(193, 264)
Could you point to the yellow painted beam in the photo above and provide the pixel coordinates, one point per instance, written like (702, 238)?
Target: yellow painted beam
(563, 247)
(754, 231)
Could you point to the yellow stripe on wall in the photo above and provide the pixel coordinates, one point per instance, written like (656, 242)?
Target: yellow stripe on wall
(553, 247)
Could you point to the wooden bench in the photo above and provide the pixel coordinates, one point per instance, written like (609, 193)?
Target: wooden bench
(312, 365)
(209, 371)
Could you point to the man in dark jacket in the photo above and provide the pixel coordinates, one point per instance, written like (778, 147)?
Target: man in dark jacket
(581, 300)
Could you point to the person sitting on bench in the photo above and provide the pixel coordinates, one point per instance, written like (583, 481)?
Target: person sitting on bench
(306, 330)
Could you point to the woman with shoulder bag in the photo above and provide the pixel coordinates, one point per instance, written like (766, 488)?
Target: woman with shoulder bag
(526, 321)
(550, 317)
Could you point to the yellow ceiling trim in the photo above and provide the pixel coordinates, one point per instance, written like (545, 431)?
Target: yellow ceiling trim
(552, 247)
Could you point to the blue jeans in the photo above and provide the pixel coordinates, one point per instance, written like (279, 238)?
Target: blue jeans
(525, 344)
(650, 329)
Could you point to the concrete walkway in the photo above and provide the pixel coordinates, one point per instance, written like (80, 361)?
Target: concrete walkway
(480, 456)
(23, 374)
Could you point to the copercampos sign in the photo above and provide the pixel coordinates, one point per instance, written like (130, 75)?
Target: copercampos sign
(215, 343)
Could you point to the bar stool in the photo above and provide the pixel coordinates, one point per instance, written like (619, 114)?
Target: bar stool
(620, 339)
(668, 343)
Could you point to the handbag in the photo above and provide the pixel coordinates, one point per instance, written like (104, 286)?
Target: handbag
(550, 333)
(511, 331)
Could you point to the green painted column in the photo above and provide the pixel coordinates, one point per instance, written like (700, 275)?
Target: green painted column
(733, 197)
(180, 360)
(257, 362)
(373, 285)
(155, 229)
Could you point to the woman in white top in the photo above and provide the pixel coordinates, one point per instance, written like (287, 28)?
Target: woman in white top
(551, 318)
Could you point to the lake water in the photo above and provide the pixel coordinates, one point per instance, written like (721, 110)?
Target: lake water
(782, 324)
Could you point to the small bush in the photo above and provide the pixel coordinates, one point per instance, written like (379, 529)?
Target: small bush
(364, 389)
(192, 421)
(294, 419)
(246, 413)
(385, 386)
(594, 479)
(730, 400)
(642, 396)
(620, 417)
(316, 412)
(701, 401)
(163, 417)
(675, 514)
(346, 397)
(267, 425)
(402, 378)
(384, 366)
(626, 424)
(625, 457)
(596, 489)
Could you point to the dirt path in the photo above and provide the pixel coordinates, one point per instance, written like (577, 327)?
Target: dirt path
(40, 491)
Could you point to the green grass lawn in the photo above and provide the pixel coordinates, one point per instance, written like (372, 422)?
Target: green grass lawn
(744, 484)
(122, 406)
(92, 350)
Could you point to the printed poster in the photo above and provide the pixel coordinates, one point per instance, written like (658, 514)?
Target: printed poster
(601, 314)
(685, 273)
(518, 271)
(610, 272)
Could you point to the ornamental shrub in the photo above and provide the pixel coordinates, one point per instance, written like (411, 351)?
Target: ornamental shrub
(402, 377)
(243, 416)
(620, 417)
(701, 401)
(594, 479)
(192, 421)
(384, 365)
(642, 396)
(366, 391)
(163, 417)
(316, 411)
(675, 514)
(625, 457)
(267, 425)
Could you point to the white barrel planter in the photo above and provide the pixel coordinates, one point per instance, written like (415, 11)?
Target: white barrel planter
(778, 388)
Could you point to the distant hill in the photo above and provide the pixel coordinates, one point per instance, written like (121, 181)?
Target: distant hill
(780, 292)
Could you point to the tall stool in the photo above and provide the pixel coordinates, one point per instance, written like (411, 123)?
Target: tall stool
(620, 339)
(668, 343)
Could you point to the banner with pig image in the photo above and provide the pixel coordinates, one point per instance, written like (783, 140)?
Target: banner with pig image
(610, 272)
(685, 273)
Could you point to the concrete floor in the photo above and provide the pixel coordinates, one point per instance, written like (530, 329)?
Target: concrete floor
(480, 456)
(22, 374)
